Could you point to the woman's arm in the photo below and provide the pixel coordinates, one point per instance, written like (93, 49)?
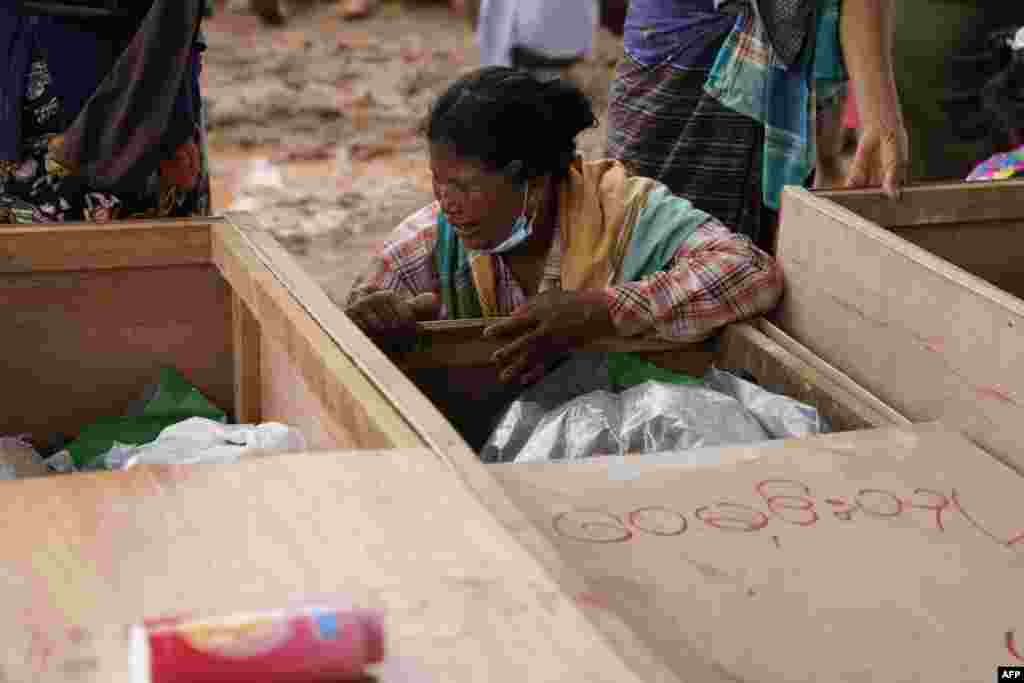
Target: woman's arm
(867, 29)
(717, 277)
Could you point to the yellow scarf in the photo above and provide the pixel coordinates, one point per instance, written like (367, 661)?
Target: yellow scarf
(598, 204)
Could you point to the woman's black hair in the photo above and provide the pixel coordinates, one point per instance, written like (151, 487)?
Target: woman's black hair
(498, 115)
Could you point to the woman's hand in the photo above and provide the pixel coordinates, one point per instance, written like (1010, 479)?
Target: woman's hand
(390, 320)
(546, 328)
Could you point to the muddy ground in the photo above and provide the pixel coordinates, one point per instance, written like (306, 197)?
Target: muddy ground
(313, 124)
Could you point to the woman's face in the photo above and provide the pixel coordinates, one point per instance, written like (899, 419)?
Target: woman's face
(481, 205)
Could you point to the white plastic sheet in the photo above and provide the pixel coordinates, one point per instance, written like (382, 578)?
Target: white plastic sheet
(199, 440)
(648, 418)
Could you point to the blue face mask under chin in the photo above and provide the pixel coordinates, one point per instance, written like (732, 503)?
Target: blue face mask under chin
(521, 230)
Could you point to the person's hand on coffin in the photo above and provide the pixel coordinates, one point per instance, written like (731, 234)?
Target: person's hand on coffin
(390, 320)
(882, 159)
(546, 328)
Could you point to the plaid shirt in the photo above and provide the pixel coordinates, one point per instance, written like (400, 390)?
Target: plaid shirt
(749, 77)
(716, 277)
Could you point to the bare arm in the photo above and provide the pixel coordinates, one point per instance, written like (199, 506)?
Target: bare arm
(867, 32)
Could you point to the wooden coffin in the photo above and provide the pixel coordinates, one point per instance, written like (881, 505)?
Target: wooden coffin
(393, 509)
(875, 556)
(456, 373)
(919, 301)
(92, 312)
(383, 511)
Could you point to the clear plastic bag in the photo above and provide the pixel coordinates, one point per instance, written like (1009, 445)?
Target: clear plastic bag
(581, 374)
(782, 416)
(199, 440)
(651, 417)
(584, 427)
(668, 417)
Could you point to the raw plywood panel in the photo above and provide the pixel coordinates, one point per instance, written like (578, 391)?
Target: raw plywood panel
(876, 413)
(845, 405)
(91, 246)
(888, 555)
(245, 332)
(928, 338)
(79, 346)
(286, 398)
(936, 204)
(438, 434)
(345, 392)
(976, 226)
(462, 601)
(989, 250)
(456, 343)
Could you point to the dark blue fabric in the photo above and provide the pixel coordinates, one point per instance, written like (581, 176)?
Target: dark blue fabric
(79, 57)
(15, 52)
(687, 33)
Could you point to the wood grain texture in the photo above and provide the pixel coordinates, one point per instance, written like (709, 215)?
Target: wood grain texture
(938, 203)
(845, 405)
(246, 350)
(878, 596)
(457, 343)
(91, 246)
(926, 337)
(360, 351)
(878, 414)
(285, 397)
(396, 531)
(988, 250)
(976, 226)
(446, 444)
(337, 384)
(213, 542)
(79, 346)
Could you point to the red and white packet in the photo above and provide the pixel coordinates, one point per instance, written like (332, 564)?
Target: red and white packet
(300, 645)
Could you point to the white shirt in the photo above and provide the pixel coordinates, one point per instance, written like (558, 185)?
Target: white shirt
(553, 28)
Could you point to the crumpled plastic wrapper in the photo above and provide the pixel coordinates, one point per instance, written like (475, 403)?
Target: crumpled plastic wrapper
(581, 374)
(651, 417)
(783, 417)
(61, 462)
(116, 458)
(200, 440)
(19, 459)
(582, 428)
(667, 417)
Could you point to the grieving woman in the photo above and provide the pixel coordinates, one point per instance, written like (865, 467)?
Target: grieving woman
(570, 250)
